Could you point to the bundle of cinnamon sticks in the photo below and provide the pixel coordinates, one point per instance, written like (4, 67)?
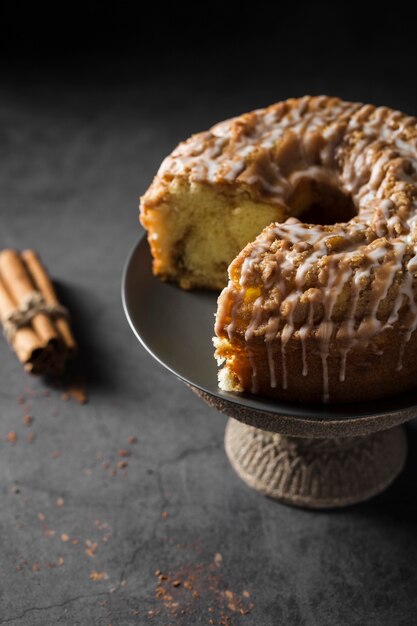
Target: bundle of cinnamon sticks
(34, 322)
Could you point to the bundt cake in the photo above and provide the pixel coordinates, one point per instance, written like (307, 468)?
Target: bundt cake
(321, 305)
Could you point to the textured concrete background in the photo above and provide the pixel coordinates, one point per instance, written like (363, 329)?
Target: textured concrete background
(82, 538)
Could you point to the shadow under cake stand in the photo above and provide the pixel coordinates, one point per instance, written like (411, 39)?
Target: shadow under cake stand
(316, 456)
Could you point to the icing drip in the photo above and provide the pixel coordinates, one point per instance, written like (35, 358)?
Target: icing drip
(286, 335)
(342, 368)
(407, 291)
(254, 377)
(346, 332)
(271, 364)
(256, 316)
(303, 334)
(337, 280)
(270, 336)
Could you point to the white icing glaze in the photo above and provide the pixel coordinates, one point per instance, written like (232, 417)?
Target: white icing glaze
(369, 153)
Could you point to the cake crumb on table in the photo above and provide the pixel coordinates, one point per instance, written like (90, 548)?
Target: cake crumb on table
(11, 437)
(27, 420)
(94, 575)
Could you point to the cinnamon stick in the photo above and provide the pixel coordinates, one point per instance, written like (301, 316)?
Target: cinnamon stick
(17, 281)
(25, 342)
(44, 284)
(31, 314)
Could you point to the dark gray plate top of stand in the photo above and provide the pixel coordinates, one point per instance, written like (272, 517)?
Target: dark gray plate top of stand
(177, 328)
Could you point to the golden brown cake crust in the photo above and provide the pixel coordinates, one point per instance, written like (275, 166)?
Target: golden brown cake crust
(243, 150)
(327, 312)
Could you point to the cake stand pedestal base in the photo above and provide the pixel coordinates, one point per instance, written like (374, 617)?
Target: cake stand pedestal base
(312, 472)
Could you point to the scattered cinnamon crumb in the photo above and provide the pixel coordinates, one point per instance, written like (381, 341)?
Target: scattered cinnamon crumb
(91, 548)
(76, 390)
(189, 583)
(27, 420)
(36, 567)
(132, 440)
(11, 437)
(41, 517)
(123, 453)
(160, 591)
(100, 524)
(59, 502)
(94, 575)
(75, 542)
(122, 464)
(65, 537)
(61, 560)
(165, 514)
(243, 611)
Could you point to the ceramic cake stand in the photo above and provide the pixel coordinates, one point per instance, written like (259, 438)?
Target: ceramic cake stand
(314, 456)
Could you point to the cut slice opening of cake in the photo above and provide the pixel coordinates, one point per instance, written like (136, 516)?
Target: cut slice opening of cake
(196, 230)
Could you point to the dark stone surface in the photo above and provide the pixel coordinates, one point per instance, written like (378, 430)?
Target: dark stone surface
(75, 154)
